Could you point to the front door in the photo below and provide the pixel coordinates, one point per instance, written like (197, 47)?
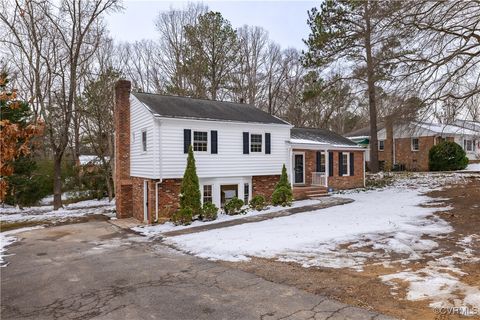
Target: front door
(227, 193)
(298, 168)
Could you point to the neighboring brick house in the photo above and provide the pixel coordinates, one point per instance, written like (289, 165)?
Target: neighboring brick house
(239, 152)
(407, 145)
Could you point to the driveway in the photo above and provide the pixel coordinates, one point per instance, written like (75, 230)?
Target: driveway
(95, 270)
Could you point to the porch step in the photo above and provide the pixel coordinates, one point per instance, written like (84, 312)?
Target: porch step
(309, 192)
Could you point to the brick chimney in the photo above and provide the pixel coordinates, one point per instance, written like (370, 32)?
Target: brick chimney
(123, 183)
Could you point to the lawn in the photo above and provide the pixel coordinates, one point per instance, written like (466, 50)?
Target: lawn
(398, 241)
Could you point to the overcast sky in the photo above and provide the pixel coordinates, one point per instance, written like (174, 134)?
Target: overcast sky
(286, 21)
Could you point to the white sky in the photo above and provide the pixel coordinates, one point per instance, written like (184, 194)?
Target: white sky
(286, 21)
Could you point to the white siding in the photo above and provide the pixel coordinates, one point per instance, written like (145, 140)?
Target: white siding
(230, 160)
(143, 164)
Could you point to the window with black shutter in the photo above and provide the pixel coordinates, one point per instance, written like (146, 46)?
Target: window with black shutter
(214, 142)
(320, 162)
(246, 146)
(187, 139)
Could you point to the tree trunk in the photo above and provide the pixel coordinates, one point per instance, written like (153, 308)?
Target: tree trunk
(108, 181)
(57, 182)
(371, 93)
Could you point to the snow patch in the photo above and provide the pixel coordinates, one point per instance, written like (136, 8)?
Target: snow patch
(7, 238)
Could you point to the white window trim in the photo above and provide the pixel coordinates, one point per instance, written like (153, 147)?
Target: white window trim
(203, 192)
(262, 145)
(208, 140)
(379, 145)
(146, 141)
(411, 144)
(472, 145)
(348, 164)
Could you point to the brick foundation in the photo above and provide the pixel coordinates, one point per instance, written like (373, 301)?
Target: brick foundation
(264, 185)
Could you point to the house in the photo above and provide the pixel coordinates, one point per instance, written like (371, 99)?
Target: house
(239, 152)
(411, 142)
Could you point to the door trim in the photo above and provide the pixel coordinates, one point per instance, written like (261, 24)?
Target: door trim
(293, 167)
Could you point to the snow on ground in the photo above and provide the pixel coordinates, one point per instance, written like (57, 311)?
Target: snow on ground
(388, 220)
(156, 230)
(473, 167)
(7, 238)
(41, 213)
(48, 200)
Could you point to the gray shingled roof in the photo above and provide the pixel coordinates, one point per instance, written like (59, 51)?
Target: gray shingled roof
(182, 107)
(320, 135)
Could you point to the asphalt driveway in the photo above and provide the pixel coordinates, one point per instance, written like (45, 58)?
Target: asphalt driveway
(95, 270)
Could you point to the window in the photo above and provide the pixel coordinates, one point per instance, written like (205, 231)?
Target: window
(381, 145)
(200, 141)
(468, 145)
(207, 193)
(246, 193)
(345, 164)
(322, 162)
(415, 144)
(256, 143)
(144, 140)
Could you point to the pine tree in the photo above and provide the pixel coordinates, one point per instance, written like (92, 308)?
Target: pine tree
(282, 195)
(190, 188)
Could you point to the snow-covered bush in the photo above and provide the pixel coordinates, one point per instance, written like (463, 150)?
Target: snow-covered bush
(234, 206)
(258, 203)
(209, 211)
(183, 216)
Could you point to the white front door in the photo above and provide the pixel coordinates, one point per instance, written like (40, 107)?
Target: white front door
(299, 168)
(145, 200)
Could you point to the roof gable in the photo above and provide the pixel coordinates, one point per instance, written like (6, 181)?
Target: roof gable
(202, 109)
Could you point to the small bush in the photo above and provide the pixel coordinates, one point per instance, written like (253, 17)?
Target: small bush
(183, 216)
(447, 156)
(234, 206)
(258, 203)
(282, 196)
(209, 211)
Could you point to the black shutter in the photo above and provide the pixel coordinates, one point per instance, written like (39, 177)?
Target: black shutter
(267, 143)
(352, 172)
(214, 138)
(245, 143)
(187, 139)
(340, 164)
(330, 164)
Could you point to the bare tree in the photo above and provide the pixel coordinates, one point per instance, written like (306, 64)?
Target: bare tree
(64, 39)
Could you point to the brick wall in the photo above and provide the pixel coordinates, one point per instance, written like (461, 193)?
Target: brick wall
(347, 182)
(264, 185)
(413, 160)
(169, 197)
